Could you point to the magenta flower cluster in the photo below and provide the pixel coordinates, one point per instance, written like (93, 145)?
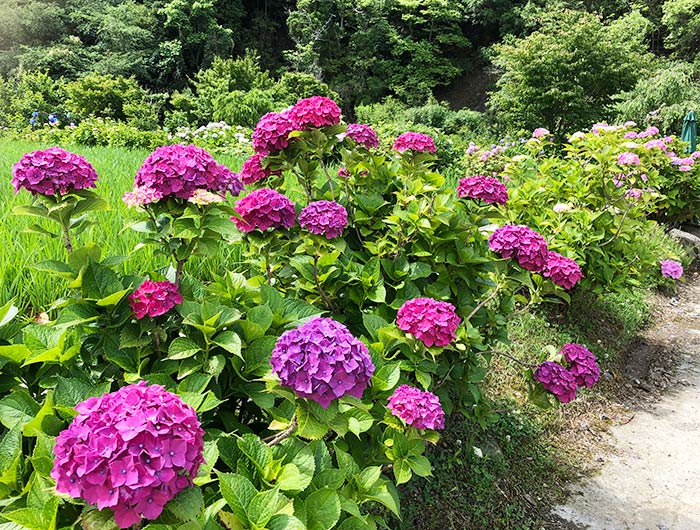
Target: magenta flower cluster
(488, 189)
(326, 218)
(322, 361)
(314, 112)
(362, 134)
(431, 321)
(263, 209)
(557, 380)
(413, 141)
(521, 243)
(582, 364)
(179, 170)
(52, 171)
(132, 451)
(419, 409)
(563, 271)
(671, 269)
(253, 170)
(154, 298)
(271, 133)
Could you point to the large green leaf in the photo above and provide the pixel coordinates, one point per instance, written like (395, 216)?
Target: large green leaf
(18, 408)
(322, 509)
(238, 492)
(99, 282)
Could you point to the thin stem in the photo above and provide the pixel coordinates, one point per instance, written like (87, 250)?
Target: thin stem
(277, 438)
(268, 268)
(328, 178)
(156, 340)
(509, 356)
(619, 228)
(66, 239)
(178, 270)
(483, 303)
(329, 305)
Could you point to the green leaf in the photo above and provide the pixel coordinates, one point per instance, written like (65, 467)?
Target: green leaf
(257, 356)
(187, 505)
(368, 477)
(45, 420)
(355, 523)
(10, 456)
(99, 282)
(420, 465)
(229, 341)
(322, 509)
(182, 348)
(264, 505)
(309, 426)
(98, 520)
(387, 377)
(283, 521)
(359, 421)
(372, 323)
(71, 391)
(402, 470)
(18, 408)
(238, 492)
(258, 453)
(17, 353)
(113, 299)
(385, 494)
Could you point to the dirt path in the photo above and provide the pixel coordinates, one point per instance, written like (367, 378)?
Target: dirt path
(653, 480)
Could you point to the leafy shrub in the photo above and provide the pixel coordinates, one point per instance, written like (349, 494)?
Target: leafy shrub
(30, 92)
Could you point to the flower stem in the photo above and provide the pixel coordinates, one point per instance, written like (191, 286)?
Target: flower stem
(66, 239)
(277, 438)
(328, 178)
(327, 302)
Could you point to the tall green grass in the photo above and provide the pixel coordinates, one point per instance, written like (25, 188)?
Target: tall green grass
(20, 251)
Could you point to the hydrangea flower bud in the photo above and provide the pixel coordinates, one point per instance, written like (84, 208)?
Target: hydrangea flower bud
(326, 218)
(582, 364)
(154, 298)
(557, 380)
(563, 271)
(131, 451)
(522, 243)
(432, 322)
(419, 409)
(52, 171)
(488, 189)
(322, 361)
(418, 142)
(314, 112)
(263, 209)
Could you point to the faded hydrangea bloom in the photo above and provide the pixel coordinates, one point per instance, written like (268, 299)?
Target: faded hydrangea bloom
(314, 112)
(154, 298)
(540, 132)
(561, 207)
(488, 189)
(432, 322)
(263, 209)
(418, 409)
(322, 361)
(522, 243)
(362, 134)
(140, 196)
(326, 218)
(413, 141)
(52, 171)
(563, 271)
(671, 269)
(271, 134)
(253, 170)
(582, 364)
(204, 197)
(131, 451)
(557, 380)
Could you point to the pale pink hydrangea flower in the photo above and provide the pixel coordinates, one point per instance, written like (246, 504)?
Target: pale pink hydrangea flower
(140, 196)
(540, 132)
(205, 197)
(628, 159)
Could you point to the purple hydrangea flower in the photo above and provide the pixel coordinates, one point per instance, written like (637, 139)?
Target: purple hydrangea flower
(131, 451)
(271, 134)
(432, 322)
(522, 243)
(322, 361)
(582, 364)
(253, 170)
(179, 170)
(488, 189)
(52, 171)
(671, 269)
(314, 112)
(419, 409)
(557, 380)
(413, 141)
(326, 218)
(362, 134)
(154, 298)
(563, 271)
(263, 209)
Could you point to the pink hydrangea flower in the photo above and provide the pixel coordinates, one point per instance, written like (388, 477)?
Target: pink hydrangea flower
(522, 243)
(630, 134)
(154, 298)
(314, 112)
(628, 159)
(557, 380)
(650, 131)
(362, 134)
(634, 193)
(651, 144)
(179, 170)
(326, 218)
(488, 189)
(671, 269)
(582, 364)
(263, 209)
(685, 168)
(473, 148)
(432, 322)
(563, 271)
(271, 134)
(52, 171)
(343, 172)
(540, 132)
(417, 408)
(418, 142)
(130, 451)
(322, 361)
(140, 196)
(253, 170)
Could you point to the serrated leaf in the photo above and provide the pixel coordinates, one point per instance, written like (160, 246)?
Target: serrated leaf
(229, 341)
(182, 348)
(322, 509)
(238, 492)
(387, 377)
(308, 426)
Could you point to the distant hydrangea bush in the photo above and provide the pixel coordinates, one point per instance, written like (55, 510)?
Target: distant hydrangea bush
(271, 134)
(522, 243)
(154, 298)
(314, 112)
(433, 322)
(326, 218)
(179, 170)
(563, 271)
(417, 408)
(671, 269)
(131, 451)
(582, 364)
(322, 361)
(488, 189)
(53, 171)
(557, 380)
(253, 170)
(263, 209)
(362, 135)
(413, 141)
